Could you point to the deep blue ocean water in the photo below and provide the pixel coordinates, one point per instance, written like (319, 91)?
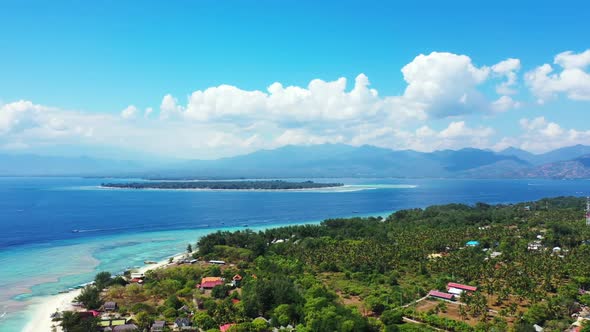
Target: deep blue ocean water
(116, 229)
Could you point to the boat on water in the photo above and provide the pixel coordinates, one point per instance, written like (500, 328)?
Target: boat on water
(75, 231)
(149, 262)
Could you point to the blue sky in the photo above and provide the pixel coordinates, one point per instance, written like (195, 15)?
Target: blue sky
(69, 69)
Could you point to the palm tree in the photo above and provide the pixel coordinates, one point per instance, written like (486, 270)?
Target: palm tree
(462, 312)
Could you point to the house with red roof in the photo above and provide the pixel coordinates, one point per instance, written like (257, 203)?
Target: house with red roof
(441, 295)
(225, 327)
(210, 282)
(458, 289)
(95, 313)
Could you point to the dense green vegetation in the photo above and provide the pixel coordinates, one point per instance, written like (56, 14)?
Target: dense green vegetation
(232, 185)
(74, 322)
(90, 297)
(365, 274)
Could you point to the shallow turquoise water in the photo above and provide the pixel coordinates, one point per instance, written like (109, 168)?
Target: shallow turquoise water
(47, 269)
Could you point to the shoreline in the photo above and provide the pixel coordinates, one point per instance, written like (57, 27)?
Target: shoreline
(40, 320)
(319, 189)
(333, 189)
(239, 185)
(39, 310)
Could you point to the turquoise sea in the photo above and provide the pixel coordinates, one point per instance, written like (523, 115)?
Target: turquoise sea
(58, 233)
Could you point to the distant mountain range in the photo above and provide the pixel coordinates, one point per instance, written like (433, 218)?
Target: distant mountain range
(326, 160)
(578, 168)
(337, 160)
(563, 154)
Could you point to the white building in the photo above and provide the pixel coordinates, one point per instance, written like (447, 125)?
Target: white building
(135, 275)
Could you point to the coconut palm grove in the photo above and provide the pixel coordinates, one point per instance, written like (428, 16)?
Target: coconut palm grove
(456, 267)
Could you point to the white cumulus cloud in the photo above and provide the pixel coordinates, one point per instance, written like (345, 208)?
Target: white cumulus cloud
(169, 107)
(444, 84)
(129, 112)
(573, 80)
(19, 115)
(504, 103)
(569, 59)
(319, 101)
(507, 68)
(443, 91)
(540, 135)
(438, 85)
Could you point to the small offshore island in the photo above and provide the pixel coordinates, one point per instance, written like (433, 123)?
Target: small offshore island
(224, 185)
(464, 268)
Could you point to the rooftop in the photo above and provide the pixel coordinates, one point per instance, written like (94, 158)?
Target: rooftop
(125, 327)
(461, 286)
(442, 295)
(210, 282)
(225, 327)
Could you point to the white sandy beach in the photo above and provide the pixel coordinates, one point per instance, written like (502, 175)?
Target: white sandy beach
(40, 320)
